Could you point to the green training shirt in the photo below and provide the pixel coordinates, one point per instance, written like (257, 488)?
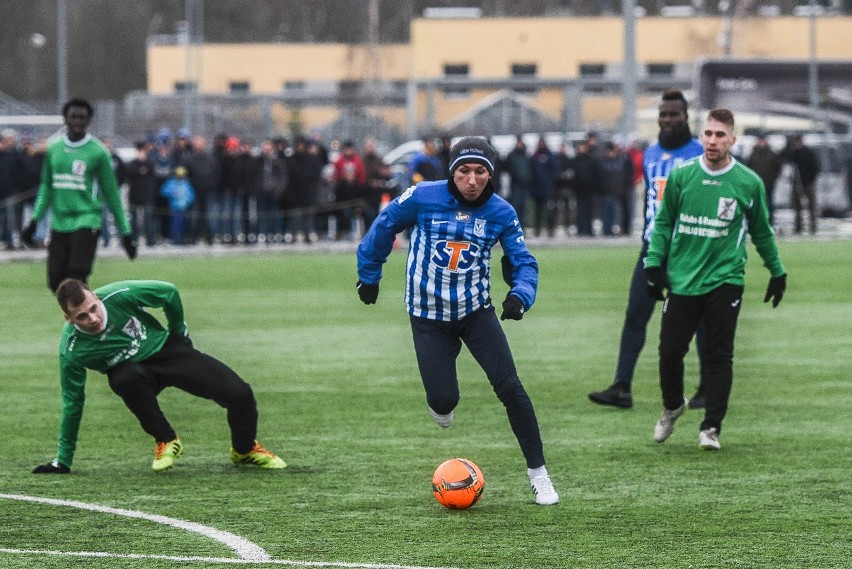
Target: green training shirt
(76, 180)
(131, 333)
(699, 231)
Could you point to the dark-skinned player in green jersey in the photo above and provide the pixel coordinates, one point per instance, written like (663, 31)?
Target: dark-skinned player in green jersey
(77, 179)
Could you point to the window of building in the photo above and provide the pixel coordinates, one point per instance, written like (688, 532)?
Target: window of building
(657, 69)
(592, 69)
(294, 85)
(524, 71)
(184, 86)
(239, 87)
(348, 88)
(456, 71)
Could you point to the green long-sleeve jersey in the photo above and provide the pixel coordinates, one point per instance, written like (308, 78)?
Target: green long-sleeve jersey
(130, 333)
(699, 231)
(77, 178)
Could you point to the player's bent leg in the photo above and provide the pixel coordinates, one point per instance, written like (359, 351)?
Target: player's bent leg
(204, 376)
(486, 341)
(523, 421)
(437, 345)
(130, 381)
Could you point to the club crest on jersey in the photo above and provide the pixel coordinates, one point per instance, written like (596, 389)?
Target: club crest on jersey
(455, 255)
(726, 209)
(78, 168)
(134, 328)
(462, 216)
(479, 227)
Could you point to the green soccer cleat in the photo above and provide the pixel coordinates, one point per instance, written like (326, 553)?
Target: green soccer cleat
(258, 456)
(165, 455)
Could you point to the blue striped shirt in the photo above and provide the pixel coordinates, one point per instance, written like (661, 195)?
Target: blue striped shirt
(657, 163)
(449, 253)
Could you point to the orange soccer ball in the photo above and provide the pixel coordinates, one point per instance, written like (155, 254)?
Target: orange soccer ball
(457, 483)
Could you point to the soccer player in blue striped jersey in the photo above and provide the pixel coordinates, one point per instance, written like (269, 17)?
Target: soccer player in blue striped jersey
(454, 225)
(675, 145)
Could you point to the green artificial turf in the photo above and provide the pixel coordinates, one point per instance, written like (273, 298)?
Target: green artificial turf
(340, 400)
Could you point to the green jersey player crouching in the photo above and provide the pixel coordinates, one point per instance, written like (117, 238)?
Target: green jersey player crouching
(109, 330)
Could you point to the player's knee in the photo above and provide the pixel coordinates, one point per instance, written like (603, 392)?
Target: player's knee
(509, 389)
(443, 403)
(124, 378)
(241, 396)
(668, 354)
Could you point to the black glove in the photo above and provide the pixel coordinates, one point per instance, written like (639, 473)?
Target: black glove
(28, 234)
(52, 467)
(775, 290)
(657, 282)
(130, 246)
(513, 308)
(507, 268)
(368, 293)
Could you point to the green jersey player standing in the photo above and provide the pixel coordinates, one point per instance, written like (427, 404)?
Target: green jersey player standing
(111, 331)
(697, 251)
(77, 178)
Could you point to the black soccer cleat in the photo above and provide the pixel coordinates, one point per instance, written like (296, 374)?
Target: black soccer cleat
(614, 395)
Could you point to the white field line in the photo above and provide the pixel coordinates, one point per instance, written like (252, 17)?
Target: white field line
(249, 553)
(242, 547)
(223, 560)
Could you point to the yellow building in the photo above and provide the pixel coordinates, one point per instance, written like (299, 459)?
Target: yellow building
(452, 65)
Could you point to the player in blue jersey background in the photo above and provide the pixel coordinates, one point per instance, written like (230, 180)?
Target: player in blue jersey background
(675, 145)
(454, 225)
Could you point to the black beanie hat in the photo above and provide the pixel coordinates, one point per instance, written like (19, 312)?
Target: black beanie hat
(472, 149)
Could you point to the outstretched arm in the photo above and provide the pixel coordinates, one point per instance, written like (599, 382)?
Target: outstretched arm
(73, 382)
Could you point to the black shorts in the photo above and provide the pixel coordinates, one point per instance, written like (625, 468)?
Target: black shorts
(71, 255)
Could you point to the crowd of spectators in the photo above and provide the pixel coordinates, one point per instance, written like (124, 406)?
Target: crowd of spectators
(185, 189)
(584, 190)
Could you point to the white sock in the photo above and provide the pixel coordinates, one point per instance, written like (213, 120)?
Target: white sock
(540, 471)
